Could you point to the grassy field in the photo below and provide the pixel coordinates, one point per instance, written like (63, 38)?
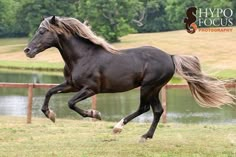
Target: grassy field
(84, 138)
(216, 51)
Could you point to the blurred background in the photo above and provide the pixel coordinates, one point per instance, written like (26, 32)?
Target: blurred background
(110, 19)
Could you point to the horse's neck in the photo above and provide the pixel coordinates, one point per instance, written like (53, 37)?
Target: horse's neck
(73, 49)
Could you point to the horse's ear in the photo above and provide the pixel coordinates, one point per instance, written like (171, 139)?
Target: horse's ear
(42, 18)
(54, 20)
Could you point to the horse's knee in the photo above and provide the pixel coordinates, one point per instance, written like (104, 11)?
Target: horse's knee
(71, 105)
(158, 113)
(144, 109)
(147, 108)
(49, 93)
(43, 110)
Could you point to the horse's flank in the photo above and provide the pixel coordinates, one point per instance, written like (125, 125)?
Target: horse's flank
(75, 27)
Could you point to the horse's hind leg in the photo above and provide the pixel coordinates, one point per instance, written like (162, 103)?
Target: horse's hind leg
(157, 112)
(146, 92)
(81, 95)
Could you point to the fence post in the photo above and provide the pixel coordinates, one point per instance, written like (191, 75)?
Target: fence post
(30, 100)
(163, 101)
(94, 102)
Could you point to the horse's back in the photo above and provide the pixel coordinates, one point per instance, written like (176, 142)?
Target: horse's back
(153, 58)
(158, 65)
(146, 52)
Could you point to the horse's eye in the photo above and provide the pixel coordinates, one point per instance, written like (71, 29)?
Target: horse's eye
(41, 31)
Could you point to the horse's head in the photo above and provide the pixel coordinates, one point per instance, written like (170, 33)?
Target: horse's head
(43, 39)
(52, 28)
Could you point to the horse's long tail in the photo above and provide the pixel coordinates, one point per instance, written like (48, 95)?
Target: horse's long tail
(207, 91)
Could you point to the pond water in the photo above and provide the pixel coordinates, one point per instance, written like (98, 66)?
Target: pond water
(181, 107)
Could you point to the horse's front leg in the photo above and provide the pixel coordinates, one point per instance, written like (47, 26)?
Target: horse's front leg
(62, 88)
(81, 95)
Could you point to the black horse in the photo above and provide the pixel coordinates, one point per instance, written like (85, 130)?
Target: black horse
(93, 66)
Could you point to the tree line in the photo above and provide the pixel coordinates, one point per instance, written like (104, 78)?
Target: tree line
(108, 18)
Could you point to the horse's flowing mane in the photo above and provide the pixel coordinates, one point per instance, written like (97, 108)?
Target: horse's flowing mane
(75, 27)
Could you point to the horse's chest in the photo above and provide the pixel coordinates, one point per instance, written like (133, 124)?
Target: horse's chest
(83, 78)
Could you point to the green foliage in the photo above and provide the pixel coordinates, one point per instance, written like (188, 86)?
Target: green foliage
(176, 10)
(155, 16)
(30, 14)
(7, 20)
(110, 19)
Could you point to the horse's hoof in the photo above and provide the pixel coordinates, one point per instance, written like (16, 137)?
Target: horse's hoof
(145, 137)
(52, 116)
(117, 130)
(97, 115)
(94, 114)
(118, 127)
(142, 140)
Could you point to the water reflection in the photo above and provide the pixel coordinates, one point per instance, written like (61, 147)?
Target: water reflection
(181, 107)
(10, 107)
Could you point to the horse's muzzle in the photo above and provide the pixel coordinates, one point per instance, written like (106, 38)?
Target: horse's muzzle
(29, 53)
(26, 50)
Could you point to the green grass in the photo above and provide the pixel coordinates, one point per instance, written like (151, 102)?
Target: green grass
(13, 41)
(39, 65)
(84, 138)
(216, 51)
(227, 73)
(22, 71)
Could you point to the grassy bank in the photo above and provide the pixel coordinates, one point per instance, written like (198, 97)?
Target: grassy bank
(216, 51)
(40, 65)
(84, 138)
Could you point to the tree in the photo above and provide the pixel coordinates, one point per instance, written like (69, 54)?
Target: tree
(31, 13)
(7, 17)
(110, 19)
(234, 9)
(175, 10)
(153, 17)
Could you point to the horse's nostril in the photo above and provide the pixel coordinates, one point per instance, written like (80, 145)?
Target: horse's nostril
(26, 50)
